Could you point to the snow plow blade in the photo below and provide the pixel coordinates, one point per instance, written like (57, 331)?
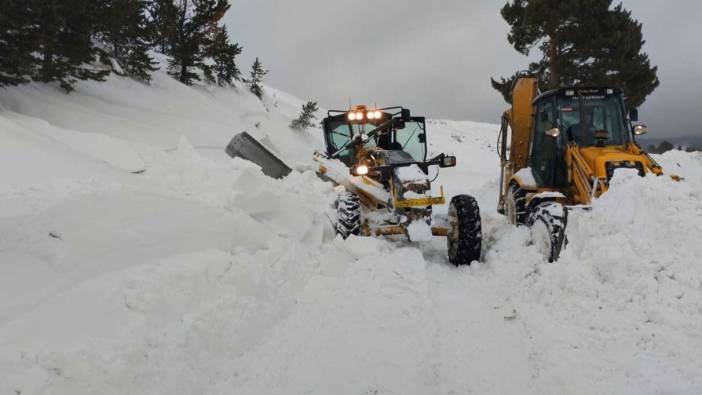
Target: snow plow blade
(246, 147)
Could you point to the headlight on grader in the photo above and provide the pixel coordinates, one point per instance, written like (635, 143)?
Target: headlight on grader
(360, 170)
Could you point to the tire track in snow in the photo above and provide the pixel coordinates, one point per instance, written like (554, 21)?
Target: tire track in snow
(362, 325)
(481, 347)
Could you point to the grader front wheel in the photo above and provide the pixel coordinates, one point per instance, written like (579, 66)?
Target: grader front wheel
(464, 237)
(348, 214)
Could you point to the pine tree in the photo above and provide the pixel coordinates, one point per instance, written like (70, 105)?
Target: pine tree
(196, 23)
(223, 54)
(257, 74)
(125, 31)
(582, 42)
(304, 121)
(163, 15)
(185, 48)
(17, 42)
(217, 52)
(64, 48)
(209, 12)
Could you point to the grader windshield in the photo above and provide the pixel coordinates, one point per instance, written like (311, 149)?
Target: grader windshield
(409, 137)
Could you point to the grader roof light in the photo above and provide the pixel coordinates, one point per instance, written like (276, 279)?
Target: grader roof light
(360, 115)
(375, 114)
(355, 116)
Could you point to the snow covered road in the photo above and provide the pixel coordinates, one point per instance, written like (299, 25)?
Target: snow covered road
(201, 275)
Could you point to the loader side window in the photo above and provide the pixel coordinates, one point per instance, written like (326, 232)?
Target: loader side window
(412, 139)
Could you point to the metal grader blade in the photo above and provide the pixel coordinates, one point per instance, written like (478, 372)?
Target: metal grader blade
(246, 147)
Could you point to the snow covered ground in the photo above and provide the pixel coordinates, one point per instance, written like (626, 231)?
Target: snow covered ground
(135, 257)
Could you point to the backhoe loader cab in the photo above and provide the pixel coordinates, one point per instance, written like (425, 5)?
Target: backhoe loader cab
(586, 118)
(560, 149)
(379, 156)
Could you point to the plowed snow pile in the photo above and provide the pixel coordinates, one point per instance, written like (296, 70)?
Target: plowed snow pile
(135, 257)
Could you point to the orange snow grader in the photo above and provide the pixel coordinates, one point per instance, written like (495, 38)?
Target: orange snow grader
(558, 150)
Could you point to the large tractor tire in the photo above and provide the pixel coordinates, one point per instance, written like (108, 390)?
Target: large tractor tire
(548, 222)
(348, 214)
(465, 230)
(515, 205)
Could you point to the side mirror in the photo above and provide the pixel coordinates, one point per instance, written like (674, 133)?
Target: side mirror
(399, 123)
(553, 132)
(448, 161)
(640, 130)
(634, 114)
(406, 115)
(422, 138)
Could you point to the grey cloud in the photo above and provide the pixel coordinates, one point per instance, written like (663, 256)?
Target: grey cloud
(436, 57)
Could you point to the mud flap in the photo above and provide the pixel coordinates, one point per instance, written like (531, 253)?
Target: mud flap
(246, 147)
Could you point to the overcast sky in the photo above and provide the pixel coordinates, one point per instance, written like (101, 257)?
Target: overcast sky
(436, 57)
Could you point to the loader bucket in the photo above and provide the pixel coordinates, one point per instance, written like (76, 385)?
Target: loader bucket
(246, 147)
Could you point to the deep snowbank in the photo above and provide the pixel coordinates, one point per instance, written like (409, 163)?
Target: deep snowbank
(135, 257)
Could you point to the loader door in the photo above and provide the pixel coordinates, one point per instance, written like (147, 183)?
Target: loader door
(547, 153)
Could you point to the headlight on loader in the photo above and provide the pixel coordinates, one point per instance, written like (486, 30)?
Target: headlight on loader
(640, 130)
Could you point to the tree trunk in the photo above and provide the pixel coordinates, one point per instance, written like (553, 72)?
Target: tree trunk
(555, 80)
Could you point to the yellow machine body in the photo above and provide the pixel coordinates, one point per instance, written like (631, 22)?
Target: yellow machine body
(585, 166)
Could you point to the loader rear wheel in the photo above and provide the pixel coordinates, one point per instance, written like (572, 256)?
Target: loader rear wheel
(515, 205)
(547, 222)
(464, 237)
(348, 214)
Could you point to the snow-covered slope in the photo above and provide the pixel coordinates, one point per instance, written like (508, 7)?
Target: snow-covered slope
(135, 257)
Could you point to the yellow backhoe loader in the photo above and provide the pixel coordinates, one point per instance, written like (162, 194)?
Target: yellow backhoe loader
(559, 150)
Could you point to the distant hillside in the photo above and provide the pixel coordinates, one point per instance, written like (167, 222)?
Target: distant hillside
(684, 141)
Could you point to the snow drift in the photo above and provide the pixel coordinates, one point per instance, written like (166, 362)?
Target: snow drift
(136, 257)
